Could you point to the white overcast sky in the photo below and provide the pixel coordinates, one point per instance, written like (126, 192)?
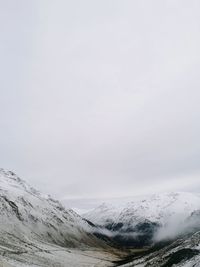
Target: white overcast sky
(101, 98)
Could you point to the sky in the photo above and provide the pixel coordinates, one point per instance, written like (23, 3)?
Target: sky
(100, 99)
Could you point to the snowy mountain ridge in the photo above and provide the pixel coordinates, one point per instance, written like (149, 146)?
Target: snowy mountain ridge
(27, 214)
(166, 225)
(160, 208)
(36, 230)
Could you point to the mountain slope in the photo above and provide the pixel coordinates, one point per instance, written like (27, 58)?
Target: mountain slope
(34, 228)
(183, 252)
(26, 211)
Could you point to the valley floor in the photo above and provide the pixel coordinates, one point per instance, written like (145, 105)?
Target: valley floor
(55, 256)
(179, 253)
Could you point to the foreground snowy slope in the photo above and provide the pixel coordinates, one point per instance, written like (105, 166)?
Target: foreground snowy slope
(36, 230)
(56, 256)
(27, 213)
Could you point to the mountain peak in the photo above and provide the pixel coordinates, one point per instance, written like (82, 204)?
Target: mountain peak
(156, 208)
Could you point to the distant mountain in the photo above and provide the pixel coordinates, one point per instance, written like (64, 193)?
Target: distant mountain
(159, 208)
(164, 227)
(139, 221)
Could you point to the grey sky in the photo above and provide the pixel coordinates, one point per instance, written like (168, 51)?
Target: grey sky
(101, 98)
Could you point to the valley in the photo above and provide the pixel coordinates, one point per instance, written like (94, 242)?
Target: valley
(36, 230)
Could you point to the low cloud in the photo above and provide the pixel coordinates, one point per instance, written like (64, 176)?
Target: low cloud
(178, 226)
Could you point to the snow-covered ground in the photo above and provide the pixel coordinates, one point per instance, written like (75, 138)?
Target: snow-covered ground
(56, 256)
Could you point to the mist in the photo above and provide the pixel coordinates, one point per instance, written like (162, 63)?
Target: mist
(178, 226)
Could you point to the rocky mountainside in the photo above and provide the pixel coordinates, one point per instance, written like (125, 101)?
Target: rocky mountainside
(183, 252)
(26, 212)
(32, 223)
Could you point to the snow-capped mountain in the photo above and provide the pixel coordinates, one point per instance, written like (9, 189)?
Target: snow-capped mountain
(26, 212)
(35, 229)
(147, 219)
(164, 226)
(159, 208)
